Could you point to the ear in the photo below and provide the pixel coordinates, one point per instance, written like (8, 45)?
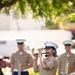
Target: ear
(23, 44)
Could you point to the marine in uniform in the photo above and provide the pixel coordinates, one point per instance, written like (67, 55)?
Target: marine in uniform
(47, 66)
(21, 60)
(67, 60)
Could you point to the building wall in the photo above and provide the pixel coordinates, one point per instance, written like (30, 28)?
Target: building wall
(4, 22)
(34, 39)
(12, 23)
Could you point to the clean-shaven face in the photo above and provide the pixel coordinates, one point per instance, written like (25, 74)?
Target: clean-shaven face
(68, 47)
(20, 46)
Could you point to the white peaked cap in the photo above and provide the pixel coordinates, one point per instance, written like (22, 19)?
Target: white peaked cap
(20, 40)
(48, 43)
(68, 42)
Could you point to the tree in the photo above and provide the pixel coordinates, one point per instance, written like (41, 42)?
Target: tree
(7, 3)
(42, 8)
(51, 25)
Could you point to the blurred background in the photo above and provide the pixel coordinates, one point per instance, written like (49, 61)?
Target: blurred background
(37, 22)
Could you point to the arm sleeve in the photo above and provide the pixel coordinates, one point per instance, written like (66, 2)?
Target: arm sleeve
(30, 59)
(12, 59)
(59, 60)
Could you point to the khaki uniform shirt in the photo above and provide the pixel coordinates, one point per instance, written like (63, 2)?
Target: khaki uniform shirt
(52, 64)
(23, 59)
(62, 61)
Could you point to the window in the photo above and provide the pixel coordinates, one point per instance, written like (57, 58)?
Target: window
(2, 42)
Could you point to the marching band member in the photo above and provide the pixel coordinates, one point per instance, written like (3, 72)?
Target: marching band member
(21, 60)
(47, 66)
(66, 60)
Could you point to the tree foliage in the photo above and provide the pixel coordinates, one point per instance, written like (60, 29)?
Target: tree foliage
(42, 8)
(51, 25)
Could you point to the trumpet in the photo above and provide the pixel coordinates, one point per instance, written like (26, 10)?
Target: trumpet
(36, 54)
(19, 68)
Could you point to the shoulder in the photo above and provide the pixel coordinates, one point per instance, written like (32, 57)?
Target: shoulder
(14, 53)
(26, 53)
(62, 55)
(73, 55)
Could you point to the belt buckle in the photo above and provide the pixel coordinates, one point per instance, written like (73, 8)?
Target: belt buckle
(16, 70)
(62, 73)
(72, 73)
(24, 70)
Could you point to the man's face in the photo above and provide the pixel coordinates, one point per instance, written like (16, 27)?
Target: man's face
(68, 47)
(20, 46)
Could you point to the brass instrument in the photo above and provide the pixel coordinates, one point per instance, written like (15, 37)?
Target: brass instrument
(66, 67)
(36, 54)
(67, 64)
(19, 68)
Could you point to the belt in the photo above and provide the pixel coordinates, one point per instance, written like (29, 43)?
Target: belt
(16, 70)
(62, 73)
(72, 73)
